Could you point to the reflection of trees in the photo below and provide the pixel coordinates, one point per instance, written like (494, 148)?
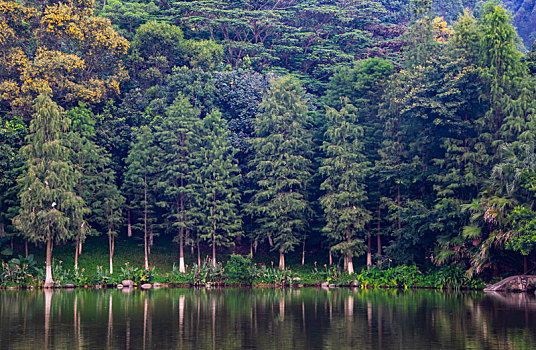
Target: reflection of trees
(266, 318)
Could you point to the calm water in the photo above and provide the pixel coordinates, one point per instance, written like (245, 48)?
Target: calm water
(306, 318)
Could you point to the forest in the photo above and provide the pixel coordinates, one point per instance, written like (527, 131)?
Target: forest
(369, 132)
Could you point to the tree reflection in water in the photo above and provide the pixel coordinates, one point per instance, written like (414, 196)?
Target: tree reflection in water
(306, 318)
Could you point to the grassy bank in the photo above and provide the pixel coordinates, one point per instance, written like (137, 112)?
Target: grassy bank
(236, 269)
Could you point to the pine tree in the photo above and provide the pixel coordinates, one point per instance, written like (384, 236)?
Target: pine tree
(51, 211)
(178, 138)
(218, 177)
(140, 181)
(345, 168)
(96, 185)
(281, 166)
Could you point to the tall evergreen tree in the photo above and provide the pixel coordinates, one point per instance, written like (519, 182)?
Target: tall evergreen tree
(345, 168)
(139, 185)
(51, 211)
(218, 176)
(281, 166)
(178, 137)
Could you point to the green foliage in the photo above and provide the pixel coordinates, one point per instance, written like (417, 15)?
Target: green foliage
(523, 237)
(218, 176)
(207, 273)
(18, 272)
(50, 209)
(238, 269)
(344, 169)
(138, 275)
(269, 275)
(281, 165)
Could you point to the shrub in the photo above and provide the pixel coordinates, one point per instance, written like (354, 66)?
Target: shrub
(238, 269)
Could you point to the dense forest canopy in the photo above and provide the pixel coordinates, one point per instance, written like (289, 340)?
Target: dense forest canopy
(401, 131)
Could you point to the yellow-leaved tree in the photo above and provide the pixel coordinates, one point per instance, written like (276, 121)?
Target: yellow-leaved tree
(60, 45)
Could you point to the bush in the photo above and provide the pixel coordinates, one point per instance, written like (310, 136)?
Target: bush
(18, 272)
(238, 269)
(206, 272)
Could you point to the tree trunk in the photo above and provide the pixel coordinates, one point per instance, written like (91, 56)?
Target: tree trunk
(76, 255)
(350, 264)
(26, 247)
(198, 255)
(270, 240)
(145, 226)
(182, 268)
(80, 247)
(345, 263)
(49, 281)
(129, 225)
(330, 258)
(379, 239)
(111, 242)
(281, 260)
(303, 252)
(214, 250)
(369, 254)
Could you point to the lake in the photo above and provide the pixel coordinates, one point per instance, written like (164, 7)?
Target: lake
(254, 318)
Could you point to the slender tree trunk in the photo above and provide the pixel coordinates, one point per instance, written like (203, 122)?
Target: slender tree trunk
(26, 247)
(145, 224)
(49, 281)
(182, 268)
(303, 252)
(198, 255)
(270, 240)
(111, 242)
(369, 253)
(378, 237)
(345, 263)
(213, 251)
(76, 254)
(214, 231)
(330, 258)
(129, 225)
(281, 260)
(80, 247)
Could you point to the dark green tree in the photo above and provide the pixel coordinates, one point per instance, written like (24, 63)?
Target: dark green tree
(345, 168)
(50, 209)
(140, 181)
(218, 177)
(282, 167)
(178, 136)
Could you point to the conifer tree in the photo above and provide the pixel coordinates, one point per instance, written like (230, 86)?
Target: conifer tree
(178, 137)
(281, 166)
(345, 168)
(140, 182)
(111, 209)
(218, 176)
(50, 209)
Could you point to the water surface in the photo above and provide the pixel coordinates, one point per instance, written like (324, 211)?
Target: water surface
(250, 318)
